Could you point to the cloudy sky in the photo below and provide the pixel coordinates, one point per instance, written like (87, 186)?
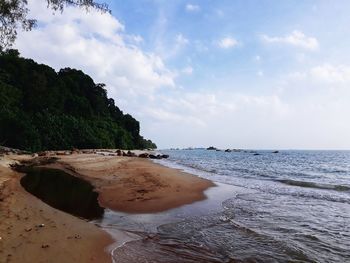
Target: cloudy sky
(234, 74)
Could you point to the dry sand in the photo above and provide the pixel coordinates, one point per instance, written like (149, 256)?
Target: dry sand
(126, 184)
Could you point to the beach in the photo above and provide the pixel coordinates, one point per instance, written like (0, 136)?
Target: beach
(135, 185)
(282, 207)
(32, 231)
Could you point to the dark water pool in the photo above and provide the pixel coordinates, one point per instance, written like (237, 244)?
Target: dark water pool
(63, 191)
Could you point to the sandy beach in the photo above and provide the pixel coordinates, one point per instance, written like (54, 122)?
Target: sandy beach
(135, 185)
(32, 231)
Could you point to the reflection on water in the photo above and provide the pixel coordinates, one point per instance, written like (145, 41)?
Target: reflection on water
(63, 191)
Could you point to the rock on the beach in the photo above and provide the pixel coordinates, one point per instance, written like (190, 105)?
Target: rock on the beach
(144, 155)
(152, 156)
(131, 154)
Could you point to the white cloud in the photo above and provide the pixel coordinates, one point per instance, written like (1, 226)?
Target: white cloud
(173, 48)
(331, 73)
(96, 43)
(324, 74)
(192, 8)
(296, 38)
(137, 39)
(301, 114)
(187, 70)
(227, 42)
(181, 40)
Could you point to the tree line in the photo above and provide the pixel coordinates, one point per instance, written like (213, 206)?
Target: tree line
(41, 109)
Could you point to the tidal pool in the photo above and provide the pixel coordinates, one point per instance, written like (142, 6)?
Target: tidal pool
(63, 191)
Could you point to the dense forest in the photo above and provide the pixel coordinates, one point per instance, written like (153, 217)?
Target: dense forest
(41, 109)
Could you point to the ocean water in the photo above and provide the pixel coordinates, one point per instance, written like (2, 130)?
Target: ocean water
(291, 206)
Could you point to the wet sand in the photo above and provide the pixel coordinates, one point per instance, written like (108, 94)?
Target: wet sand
(32, 231)
(135, 185)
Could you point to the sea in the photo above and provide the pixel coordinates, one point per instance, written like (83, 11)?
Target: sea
(267, 206)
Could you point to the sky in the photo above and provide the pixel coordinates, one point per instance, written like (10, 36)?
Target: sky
(257, 74)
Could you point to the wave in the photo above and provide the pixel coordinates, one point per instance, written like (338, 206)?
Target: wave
(341, 188)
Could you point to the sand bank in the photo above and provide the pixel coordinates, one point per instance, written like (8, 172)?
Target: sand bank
(135, 185)
(32, 231)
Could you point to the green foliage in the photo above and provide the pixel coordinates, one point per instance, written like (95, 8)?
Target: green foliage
(41, 109)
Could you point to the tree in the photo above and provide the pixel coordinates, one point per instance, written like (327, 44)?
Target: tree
(14, 15)
(42, 109)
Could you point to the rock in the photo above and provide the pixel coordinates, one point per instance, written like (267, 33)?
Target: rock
(44, 153)
(35, 155)
(41, 225)
(152, 156)
(158, 156)
(256, 154)
(144, 155)
(211, 148)
(131, 154)
(275, 152)
(45, 246)
(119, 153)
(228, 151)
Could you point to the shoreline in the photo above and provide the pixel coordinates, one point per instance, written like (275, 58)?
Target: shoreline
(135, 185)
(124, 184)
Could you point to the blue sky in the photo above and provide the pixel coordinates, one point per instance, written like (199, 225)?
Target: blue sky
(244, 74)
